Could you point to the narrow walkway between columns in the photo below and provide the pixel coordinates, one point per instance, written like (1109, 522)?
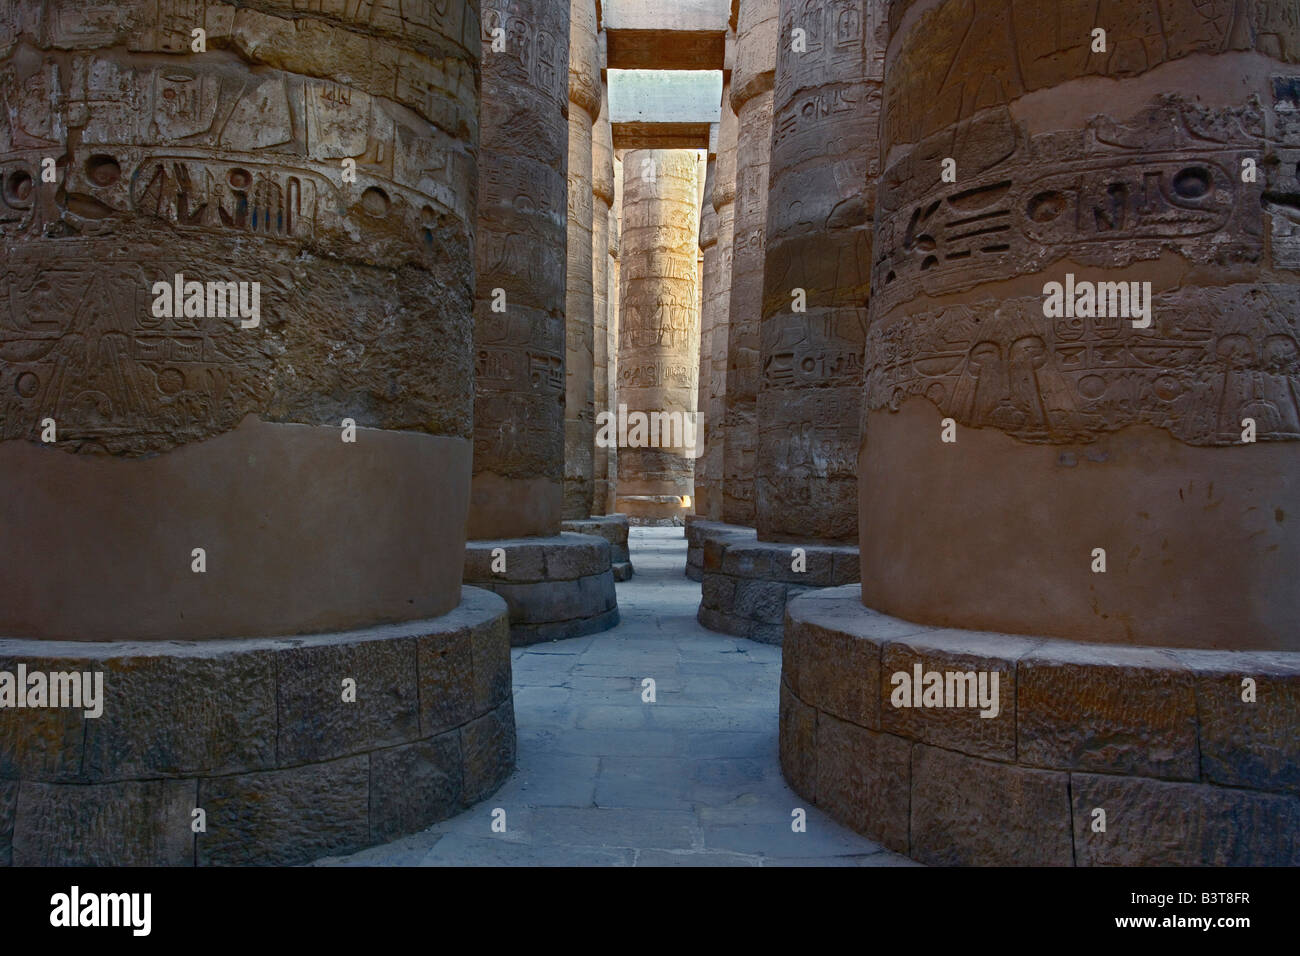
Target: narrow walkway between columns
(604, 778)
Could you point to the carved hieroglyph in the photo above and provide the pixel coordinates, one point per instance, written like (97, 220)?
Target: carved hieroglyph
(751, 99)
(1170, 158)
(580, 396)
(227, 166)
(817, 274)
(602, 188)
(717, 303)
(519, 329)
(659, 326)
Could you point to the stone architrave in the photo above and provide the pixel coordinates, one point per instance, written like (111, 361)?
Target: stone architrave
(580, 396)
(751, 99)
(817, 272)
(602, 187)
(658, 333)
(519, 328)
(1150, 426)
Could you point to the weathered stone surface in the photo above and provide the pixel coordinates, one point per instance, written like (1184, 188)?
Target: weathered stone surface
(1247, 744)
(864, 779)
(44, 743)
(1117, 710)
(490, 647)
(579, 310)
(658, 332)
(285, 817)
(365, 295)
(316, 723)
(817, 268)
(167, 714)
(447, 681)
(957, 727)
(830, 668)
(798, 739)
(488, 751)
(1116, 167)
(972, 812)
(521, 251)
(131, 823)
(414, 785)
(1158, 823)
(8, 805)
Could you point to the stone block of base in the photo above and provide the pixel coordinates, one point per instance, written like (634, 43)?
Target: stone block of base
(613, 528)
(287, 760)
(700, 532)
(554, 587)
(1092, 755)
(746, 584)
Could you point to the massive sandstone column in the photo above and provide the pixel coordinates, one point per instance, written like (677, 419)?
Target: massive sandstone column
(615, 317)
(705, 484)
(1080, 432)
(817, 272)
(659, 330)
(236, 371)
(520, 342)
(554, 584)
(1085, 476)
(816, 280)
(579, 406)
(602, 187)
(718, 301)
(612, 527)
(751, 99)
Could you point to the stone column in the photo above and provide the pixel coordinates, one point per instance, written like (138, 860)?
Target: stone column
(519, 329)
(816, 278)
(555, 584)
(717, 300)
(614, 318)
(708, 525)
(602, 185)
(751, 99)
(580, 396)
(1081, 430)
(705, 485)
(236, 400)
(1081, 426)
(659, 331)
(817, 272)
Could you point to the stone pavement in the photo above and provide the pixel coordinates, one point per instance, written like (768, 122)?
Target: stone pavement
(604, 778)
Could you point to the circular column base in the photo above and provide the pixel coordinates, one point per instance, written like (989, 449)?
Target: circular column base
(554, 587)
(294, 748)
(613, 528)
(746, 583)
(1089, 754)
(654, 511)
